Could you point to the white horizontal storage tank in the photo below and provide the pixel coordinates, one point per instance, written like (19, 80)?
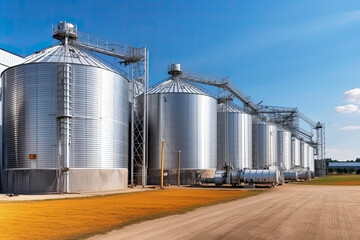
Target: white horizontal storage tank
(295, 152)
(264, 145)
(284, 149)
(234, 137)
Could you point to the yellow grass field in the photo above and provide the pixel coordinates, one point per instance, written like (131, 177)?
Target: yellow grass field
(82, 217)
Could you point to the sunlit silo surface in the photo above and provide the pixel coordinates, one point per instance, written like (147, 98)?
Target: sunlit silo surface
(264, 145)
(99, 125)
(184, 116)
(311, 160)
(284, 149)
(304, 154)
(295, 152)
(234, 137)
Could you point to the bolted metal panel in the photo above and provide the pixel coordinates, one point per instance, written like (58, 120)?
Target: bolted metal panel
(295, 152)
(186, 122)
(284, 149)
(235, 132)
(264, 145)
(100, 117)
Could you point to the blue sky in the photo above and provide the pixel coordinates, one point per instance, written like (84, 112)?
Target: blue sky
(303, 54)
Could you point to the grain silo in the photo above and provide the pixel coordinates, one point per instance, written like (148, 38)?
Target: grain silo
(234, 136)
(184, 117)
(264, 145)
(311, 161)
(66, 122)
(295, 152)
(284, 149)
(304, 154)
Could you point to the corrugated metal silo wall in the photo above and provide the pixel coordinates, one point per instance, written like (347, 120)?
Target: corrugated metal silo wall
(186, 122)
(304, 154)
(99, 127)
(237, 128)
(311, 159)
(284, 149)
(295, 152)
(264, 145)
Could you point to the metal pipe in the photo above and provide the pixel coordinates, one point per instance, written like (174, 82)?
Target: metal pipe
(162, 165)
(178, 180)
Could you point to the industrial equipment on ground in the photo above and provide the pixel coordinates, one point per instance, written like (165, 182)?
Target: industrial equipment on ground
(270, 177)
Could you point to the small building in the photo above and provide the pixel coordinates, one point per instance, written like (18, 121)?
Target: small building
(344, 165)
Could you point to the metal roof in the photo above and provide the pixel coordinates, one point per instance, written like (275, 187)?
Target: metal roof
(344, 164)
(231, 108)
(176, 86)
(75, 55)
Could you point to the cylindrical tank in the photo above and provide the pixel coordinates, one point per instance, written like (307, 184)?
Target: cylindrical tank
(264, 145)
(262, 176)
(304, 154)
(234, 137)
(291, 175)
(295, 152)
(304, 175)
(98, 111)
(184, 116)
(284, 149)
(311, 160)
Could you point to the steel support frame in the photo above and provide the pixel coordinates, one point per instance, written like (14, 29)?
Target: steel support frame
(140, 76)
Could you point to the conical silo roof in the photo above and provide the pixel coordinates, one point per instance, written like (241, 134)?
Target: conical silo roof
(231, 108)
(177, 86)
(58, 54)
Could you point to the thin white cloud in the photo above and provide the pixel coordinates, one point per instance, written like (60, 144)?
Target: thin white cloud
(342, 154)
(352, 96)
(350, 108)
(350, 128)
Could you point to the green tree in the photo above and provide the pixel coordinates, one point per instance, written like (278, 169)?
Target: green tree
(345, 170)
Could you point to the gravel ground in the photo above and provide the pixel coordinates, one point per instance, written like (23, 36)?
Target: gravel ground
(292, 211)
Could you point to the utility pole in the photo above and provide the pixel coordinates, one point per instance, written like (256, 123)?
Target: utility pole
(162, 165)
(178, 175)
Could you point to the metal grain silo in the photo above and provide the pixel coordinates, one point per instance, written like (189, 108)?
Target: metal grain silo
(311, 160)
(295, 152)
(304, 154)
(284, 149)
(234, 137)
(66, 116)
(184, 116)
(264, 145)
